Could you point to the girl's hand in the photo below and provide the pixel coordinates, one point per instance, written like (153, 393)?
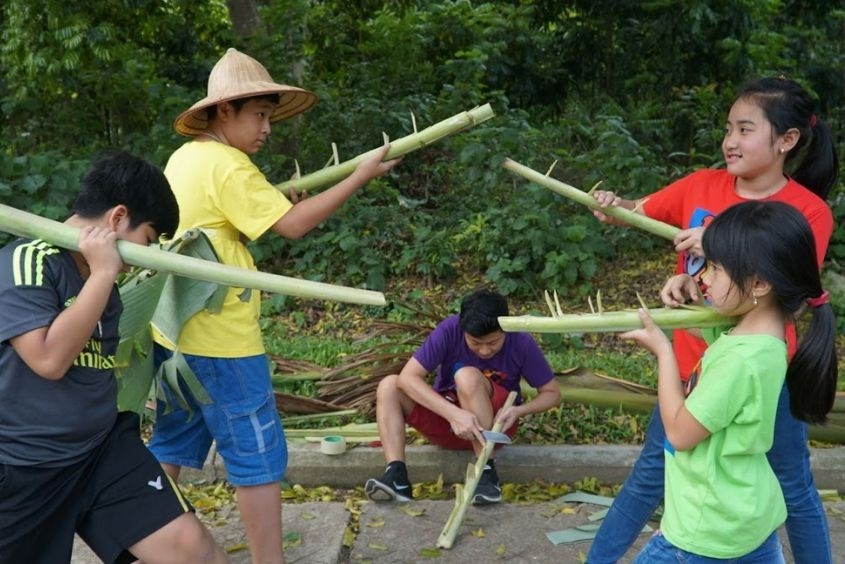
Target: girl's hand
(689, 240)
(605, 198)
(680, 289)
(98, 245)
(649, 336)
(373, 167)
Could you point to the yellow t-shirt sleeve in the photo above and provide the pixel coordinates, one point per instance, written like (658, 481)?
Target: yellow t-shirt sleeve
(249, 202)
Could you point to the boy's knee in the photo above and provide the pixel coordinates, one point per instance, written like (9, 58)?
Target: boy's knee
(388, 387)
(467, 378)
(190, 538)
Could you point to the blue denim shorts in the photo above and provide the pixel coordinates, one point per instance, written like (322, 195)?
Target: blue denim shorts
(659, 550)
(242, 419)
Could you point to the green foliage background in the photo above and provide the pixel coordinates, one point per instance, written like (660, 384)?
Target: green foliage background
(630, 93)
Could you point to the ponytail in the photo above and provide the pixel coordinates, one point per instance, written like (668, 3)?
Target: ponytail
(787, 105)
(811, 376)
(819, 168)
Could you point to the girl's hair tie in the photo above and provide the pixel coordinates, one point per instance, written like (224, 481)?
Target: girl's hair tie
(812, 121)
(824, 298)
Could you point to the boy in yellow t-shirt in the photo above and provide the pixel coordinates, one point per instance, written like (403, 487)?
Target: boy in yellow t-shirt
(221, 191)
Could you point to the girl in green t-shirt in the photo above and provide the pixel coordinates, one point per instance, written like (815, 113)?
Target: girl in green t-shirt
(722, 499)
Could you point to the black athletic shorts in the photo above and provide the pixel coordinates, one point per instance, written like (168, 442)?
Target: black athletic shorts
(114, 498)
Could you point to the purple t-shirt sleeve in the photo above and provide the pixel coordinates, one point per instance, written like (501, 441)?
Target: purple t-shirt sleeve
(446, 350)
(441, 346)
(535, 368)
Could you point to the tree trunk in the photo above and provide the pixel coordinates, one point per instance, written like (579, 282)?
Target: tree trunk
(244, 16)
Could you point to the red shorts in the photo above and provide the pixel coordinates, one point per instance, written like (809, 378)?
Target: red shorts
(438, 431)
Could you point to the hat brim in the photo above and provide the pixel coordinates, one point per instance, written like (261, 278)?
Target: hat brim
(292, 101)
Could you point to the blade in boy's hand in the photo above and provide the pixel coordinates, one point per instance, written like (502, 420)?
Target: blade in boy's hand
(496, 437)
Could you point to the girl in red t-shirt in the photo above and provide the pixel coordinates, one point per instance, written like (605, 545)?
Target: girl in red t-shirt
(770, 124)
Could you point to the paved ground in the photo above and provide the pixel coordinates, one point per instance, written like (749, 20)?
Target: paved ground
(408, 533)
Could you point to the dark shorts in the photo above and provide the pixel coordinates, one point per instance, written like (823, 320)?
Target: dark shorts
(114, 498)
(438, 431)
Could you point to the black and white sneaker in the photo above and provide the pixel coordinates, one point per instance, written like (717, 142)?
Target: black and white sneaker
(392, 486)
(488, 489)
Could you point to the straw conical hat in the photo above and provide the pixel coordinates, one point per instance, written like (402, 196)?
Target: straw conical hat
(240, 76)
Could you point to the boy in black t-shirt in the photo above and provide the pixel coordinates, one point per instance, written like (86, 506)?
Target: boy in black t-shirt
(69, 462)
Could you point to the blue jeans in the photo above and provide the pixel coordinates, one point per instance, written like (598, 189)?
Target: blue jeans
(659, 550)
(642, 493)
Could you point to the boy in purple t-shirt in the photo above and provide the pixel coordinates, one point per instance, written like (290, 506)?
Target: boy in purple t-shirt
(477, 365)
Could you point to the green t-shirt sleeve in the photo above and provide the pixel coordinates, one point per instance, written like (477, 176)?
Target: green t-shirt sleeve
(723, 390)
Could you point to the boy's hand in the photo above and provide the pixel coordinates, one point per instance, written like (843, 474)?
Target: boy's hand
(466, 426)
(373, 167)
(650, 336)
(98, 246)
(296, 197)
(680, 289)
(689, 240)
(508, 417)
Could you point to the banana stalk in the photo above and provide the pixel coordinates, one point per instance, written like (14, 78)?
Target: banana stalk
(630, 217)
(833, 432)
(25, 224)
(683, 317)
(631, 402)
(463, 494)
(398, 147)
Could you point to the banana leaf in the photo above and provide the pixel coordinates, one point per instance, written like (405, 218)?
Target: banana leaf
(167, 302)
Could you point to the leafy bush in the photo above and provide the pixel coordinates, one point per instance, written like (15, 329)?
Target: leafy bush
(590, 86)
(44, 184)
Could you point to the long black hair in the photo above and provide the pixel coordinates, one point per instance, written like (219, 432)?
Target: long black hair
(773, 241)
(787, 105)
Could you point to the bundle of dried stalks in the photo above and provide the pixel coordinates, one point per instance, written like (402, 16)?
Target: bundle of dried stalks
(353, 384)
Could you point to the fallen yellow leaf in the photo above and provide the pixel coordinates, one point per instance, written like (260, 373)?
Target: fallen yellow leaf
(236, 548)
(376, 522)
(376, 546)
(413, 512)
(348, 536)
